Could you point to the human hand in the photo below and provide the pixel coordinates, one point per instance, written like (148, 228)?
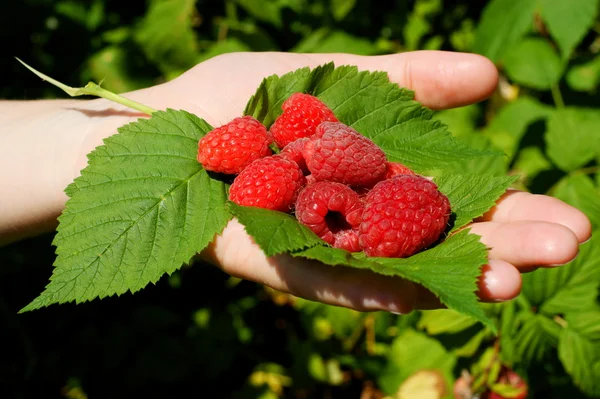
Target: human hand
(524, 231)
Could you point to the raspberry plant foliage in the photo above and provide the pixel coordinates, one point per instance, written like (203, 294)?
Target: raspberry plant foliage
(144, 206)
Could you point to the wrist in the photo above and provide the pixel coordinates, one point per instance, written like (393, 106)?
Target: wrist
(43, 147)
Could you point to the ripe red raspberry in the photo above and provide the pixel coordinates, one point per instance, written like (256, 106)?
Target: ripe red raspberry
(333, 211)
(402, 216)
(301, 115)
(509, 377)
(271, 183)
(394, 169)
(293, 152)
(233, 146)
(341, 154)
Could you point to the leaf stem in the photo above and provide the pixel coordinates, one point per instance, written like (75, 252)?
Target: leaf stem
(557, 96)
(560, 321)
(92, 89)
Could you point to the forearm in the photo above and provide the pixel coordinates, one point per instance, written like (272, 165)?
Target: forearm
(43, 146)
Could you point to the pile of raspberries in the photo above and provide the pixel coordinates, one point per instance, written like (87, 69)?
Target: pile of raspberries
(330, 177)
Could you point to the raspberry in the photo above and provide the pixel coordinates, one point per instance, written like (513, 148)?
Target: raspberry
(333, 211)
(402, 216)
(271, 183)
(233, 146)
(394, 169)
(293, 152)
(301, 115)
(341, 154)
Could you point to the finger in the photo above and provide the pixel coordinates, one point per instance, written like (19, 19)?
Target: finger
(440, 79)
(237, 254)
(528, 243)
(499, 281)
(517, 205)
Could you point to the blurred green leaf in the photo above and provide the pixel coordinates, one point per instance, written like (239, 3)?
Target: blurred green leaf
(502, 25)
(473, 344)
(91, 17)
(568, 21)
(228, 45)
(444, 321)
(461, 121)
(248, 33)
(510, 124)
(530, 162)
(463, 38)
(327, 371)
(533, 63)
(587, 324)
(341, 8)
(264, 10)
(535, 338)
(410, 352)
(418, 25)
(114, 68)
(584, 77)
(325, 40)
(117, 35)
(580, 356)
(572, 138)
(572, 287)
(579, 191)
(166, 34)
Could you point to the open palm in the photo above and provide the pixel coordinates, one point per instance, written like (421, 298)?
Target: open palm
(523, 231)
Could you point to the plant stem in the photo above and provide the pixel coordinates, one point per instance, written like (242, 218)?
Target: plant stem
(557, 96)
(560, 321)
(92, 89)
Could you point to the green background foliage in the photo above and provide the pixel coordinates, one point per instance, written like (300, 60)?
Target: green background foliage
(202, 331)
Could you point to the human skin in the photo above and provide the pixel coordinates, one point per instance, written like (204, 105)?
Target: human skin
(43, 147)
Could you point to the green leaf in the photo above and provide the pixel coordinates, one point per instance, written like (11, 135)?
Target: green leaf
(572, 287)
(373, 106)
(275, 232)
(584, 77)
(341, 8)
(572, 138)
(228, 45)
(579, 191)
(510, 124)
(461, 121)
(444, 321)
(470, 348)
(166, 34)
(580, 357)
(140, 209)
(536, 337)
(111, 65)
(325, 40)
(264, 10)
(534, 63)
(587, 324)
(568, 21)
(417, 24)
(530, 162)
(449, 270)
(496, 166)
(410, 352)
(472, 195)
(503, 23)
